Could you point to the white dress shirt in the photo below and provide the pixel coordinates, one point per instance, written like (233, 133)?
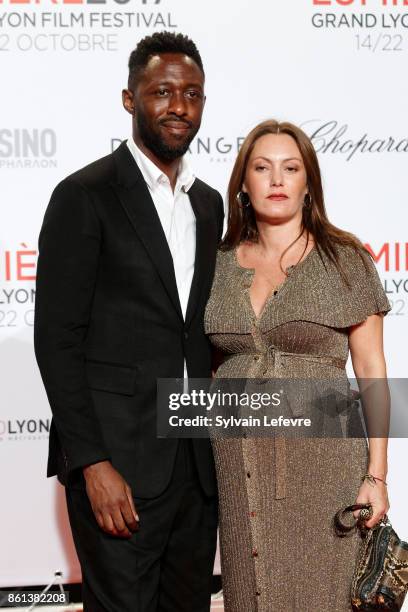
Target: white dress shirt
(176, 216)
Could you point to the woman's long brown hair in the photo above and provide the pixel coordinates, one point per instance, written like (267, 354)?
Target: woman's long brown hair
(241, 221)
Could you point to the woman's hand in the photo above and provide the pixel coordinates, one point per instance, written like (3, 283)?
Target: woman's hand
(367, 354)
(376, 495)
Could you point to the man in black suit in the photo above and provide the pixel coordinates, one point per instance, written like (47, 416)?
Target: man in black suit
(127, 254)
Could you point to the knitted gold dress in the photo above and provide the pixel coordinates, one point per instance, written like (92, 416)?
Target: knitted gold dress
(278, 497)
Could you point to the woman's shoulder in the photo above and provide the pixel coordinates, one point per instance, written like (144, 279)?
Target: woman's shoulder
(354, 260)
(346, 251)
(360, 266)
(225, 267)
(225, 257)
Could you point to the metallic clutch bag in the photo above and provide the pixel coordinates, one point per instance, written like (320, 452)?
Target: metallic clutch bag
(380, 579)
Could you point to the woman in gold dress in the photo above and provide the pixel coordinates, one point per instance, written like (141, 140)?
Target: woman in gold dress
(292, 295)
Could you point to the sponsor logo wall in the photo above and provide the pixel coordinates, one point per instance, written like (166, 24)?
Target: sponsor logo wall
(335, 67)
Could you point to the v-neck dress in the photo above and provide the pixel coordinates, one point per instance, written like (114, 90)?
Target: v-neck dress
(278, 496)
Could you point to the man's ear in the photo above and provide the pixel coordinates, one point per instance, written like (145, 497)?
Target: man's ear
(128, 101)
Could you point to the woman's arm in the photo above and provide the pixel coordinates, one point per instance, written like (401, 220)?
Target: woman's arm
(367, 355)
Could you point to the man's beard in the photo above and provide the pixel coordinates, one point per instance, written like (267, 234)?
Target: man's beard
(154, 142)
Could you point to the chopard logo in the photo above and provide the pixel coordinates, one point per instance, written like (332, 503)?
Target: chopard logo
(331, 137)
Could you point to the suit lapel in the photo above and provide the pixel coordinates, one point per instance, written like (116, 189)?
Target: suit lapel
(204, 248)
(137, 202)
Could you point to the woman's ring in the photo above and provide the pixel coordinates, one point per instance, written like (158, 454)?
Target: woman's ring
(365, 514)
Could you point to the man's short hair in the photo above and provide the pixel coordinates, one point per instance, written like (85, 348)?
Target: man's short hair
(160, 42)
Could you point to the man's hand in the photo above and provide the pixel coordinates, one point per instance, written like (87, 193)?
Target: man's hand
(111, 500)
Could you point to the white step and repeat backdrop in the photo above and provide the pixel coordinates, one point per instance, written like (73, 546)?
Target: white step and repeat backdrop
(337, 67)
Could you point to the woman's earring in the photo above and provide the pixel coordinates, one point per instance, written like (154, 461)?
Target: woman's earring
(243, 199)
(307, 202)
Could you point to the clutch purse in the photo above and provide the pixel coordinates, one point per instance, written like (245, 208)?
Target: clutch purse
(380, 578)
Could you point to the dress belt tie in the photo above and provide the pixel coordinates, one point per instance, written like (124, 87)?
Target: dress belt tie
(273, 357)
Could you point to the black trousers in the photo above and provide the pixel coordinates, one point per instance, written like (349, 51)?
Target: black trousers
(166, 566)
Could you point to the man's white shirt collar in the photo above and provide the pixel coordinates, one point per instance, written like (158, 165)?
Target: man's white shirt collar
(154, 176)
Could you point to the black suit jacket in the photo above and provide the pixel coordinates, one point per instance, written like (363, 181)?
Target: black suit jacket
(108, 322)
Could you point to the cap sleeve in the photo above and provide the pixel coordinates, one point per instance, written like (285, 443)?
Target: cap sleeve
(366, 296)
(380, 302)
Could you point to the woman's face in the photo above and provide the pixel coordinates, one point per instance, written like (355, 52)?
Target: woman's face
(275, 179)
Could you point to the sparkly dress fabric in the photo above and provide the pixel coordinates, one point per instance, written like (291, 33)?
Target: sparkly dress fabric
(278, 496)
